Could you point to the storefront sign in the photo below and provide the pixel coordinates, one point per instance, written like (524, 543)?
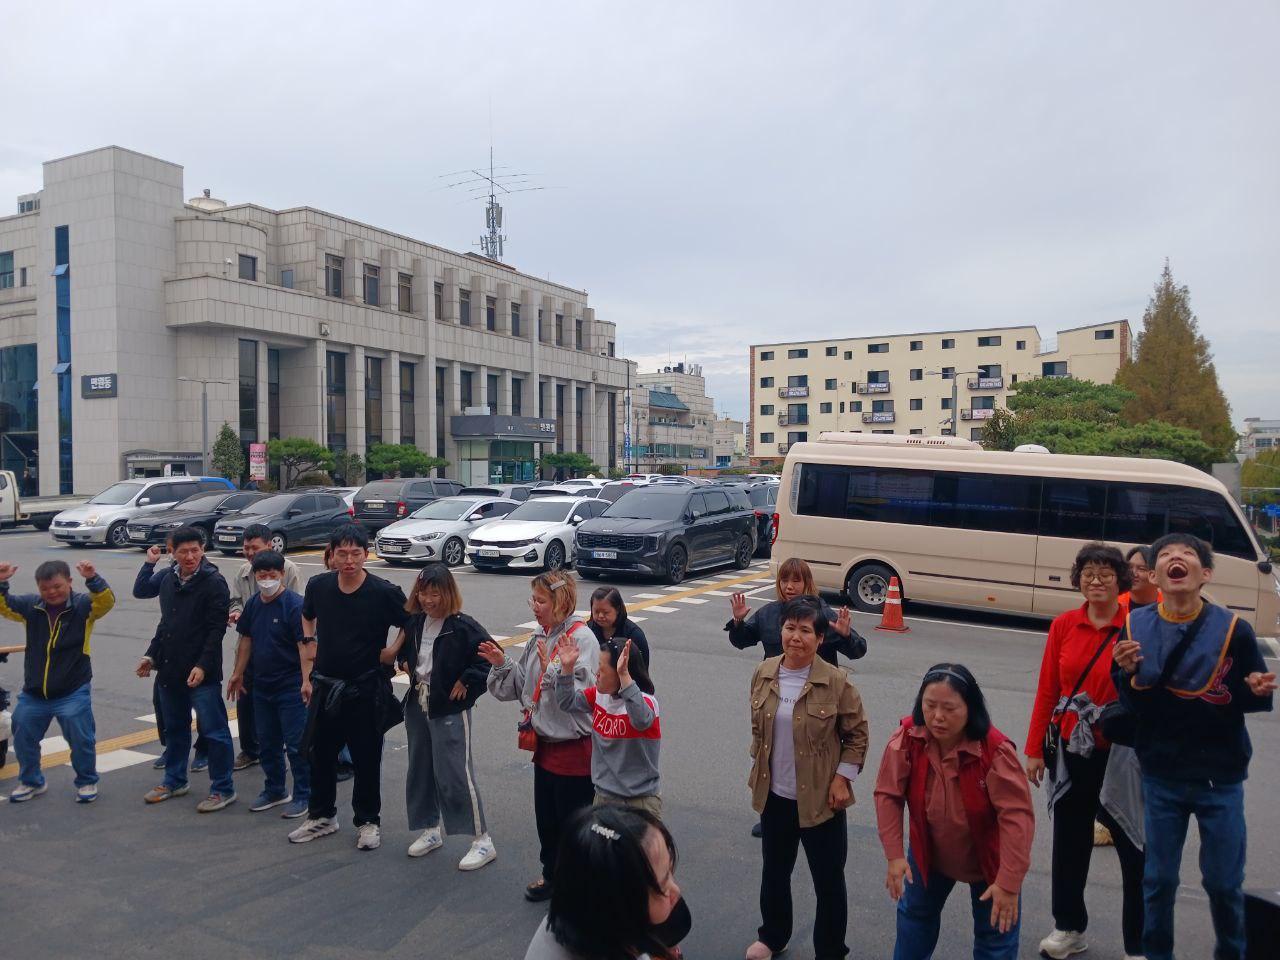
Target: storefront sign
(99, 386)
(500, 427)
(257, 461)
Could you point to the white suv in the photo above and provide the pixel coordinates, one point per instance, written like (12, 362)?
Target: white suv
(103, 519)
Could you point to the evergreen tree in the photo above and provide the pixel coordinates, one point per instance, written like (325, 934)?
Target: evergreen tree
(227, 456)
(1173, 379)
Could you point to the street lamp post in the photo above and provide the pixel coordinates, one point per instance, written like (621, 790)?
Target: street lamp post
(955, 395)
(204, 419)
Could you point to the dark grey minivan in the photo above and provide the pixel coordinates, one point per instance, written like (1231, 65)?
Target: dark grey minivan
(386, 501)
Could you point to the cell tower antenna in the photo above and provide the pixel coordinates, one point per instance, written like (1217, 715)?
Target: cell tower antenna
(489, 186)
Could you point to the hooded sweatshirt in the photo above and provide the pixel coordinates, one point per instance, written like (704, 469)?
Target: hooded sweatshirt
(625, 736)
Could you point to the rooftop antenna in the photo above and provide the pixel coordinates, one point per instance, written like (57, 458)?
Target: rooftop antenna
(490, 186)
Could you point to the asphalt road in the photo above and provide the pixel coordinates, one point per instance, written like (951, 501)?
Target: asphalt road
(118, 879)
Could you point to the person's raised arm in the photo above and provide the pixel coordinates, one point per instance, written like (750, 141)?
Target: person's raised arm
(146, 586)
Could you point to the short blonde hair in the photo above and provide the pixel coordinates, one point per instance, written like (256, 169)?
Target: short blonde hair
(560, 586)
(793, 568)
(439, 576)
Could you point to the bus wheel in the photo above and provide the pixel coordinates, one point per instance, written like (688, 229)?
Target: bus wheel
(868, 586)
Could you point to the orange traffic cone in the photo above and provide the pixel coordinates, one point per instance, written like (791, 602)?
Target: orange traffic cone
(892, 617)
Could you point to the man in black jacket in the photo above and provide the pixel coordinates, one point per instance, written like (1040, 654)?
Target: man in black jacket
(187, 653)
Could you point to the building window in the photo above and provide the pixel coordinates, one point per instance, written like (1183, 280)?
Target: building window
(577, 333)
(248, 391)
(882, 406)
(800, 380)
(1014, 378)
(993, 341)
(335, 388)
(797, 436)
(877, 348)
(946, 403)
(491, 392)
(842, 406)
(28, 206)
(464, 307)
(766, 381)
(766, 409)
(916, 432)
(1020, 345)
(404, 287)
(989, 371)
(490, 314)
(22, 276)
(877, 376)
(464, 384)
(832, 385)
(372, 401)
(273, 394)
(515, 321)
(824, 408)
(248, 267)
(541, 335)
(855, 406)
(371, 284)
(611, 351)
(517, 397)
(1104, 334)
(917, 344)
(848, 354)
(1054, 369)
(6, 270)
(799, 354)
(917, 373)
(438, 296)
(948, 373)
(831, 351)
(766, 438)
(408, 422)
(983, 403)
(766, 354)
(332, 275)
(975, 433)
(916, 403)
(948, 344)
(286, 278)
(62, 292)
(559, 329)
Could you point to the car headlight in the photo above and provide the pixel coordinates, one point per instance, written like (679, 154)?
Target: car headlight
(91, 521)
(538, 539)
(424, 537)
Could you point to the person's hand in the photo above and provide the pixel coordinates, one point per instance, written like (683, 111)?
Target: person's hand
(306, 690)
(568, 657)
(7, 570)
(234, 617)
(738, 603)
(543, 656)
(459, 691)
(839, 795)
(899, 873)
(1127, 655)
(844, 622)
(1260, 684)
(153, 554)
(144, 668)
(492, 653)
(195, 677)
(387, 656)
(235, 687)
(86, 569)
(623, 667)
(1004, 908)
(1035, 771)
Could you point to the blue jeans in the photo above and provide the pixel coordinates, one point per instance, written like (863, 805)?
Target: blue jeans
(281, 718)
(74, 713)
(920, 917)
(177, 702)
(1219, 811)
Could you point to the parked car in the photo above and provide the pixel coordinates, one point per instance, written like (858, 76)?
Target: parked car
(564, 490)
(385, 501)
(538, 533)
(105, 517)
(643, 478)
(202, 511)
(295, 520)
(37, 511)
(666, 530)
(348, 495)
(614, 490)
(439, 530)
(583, 482)
(518, 492)
(762, 497)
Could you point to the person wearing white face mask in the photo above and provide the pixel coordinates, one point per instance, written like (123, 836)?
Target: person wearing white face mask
(272, 643)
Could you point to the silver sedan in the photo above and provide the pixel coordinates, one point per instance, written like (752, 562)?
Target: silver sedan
(439, 530)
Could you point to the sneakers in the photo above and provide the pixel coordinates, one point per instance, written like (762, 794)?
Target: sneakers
(762, 951)
(199, 763)
(482, 851)
(312, 829)
(266, 801)
(22, 793)
(159, 763)
(243, 760)
(369, 837)
(87, 794)
(215, 802)
(295, 809)
(162, 793)
(431, 839)
(1060, 944)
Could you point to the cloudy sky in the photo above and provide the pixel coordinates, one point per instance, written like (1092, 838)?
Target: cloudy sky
(721, 174)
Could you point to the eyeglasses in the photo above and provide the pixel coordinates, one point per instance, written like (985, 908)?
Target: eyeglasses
(1106, 576)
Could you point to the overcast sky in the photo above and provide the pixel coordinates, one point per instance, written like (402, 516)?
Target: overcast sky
(721, 174)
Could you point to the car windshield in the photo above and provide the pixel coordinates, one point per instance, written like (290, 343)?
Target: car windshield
(208, 501)
(117, 494)
(446, 509)
(381, 489)
(277, 504)
(643, 505)
(540, 510)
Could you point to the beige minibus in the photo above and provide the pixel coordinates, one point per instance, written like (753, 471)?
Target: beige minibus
(967, 527)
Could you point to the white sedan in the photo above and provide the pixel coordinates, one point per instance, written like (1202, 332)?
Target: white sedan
(537, 534)
(439, 530)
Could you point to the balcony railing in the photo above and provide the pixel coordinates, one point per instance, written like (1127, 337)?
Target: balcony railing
(787, 419)
(882, 387)
(986, 383)
(785, 392)
(977, 413)
(887, 416)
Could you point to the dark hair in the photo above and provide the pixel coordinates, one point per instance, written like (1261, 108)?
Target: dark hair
(349, 535)
(1148, 555)
(603, 879)
(1202, 549)
(959, 679)
(636, 665)
(439, 576)
(267, 560)
(611, 596)
(1102, 555)
(803, 609)
(257, 531)
(186, 534)
(51, 569)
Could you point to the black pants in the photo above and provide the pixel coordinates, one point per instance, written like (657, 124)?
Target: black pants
(826, 847)
(555, 797)
(202, 745)
(245, 719)
(357, 725)
(1073, 817)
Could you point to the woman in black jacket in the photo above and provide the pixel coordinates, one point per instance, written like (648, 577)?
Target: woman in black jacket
(609, 621)
(437, 648)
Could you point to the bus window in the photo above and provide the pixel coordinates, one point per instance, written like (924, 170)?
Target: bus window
(1142, 513)
(1137, 513)
(999, 504)
(1073, 508)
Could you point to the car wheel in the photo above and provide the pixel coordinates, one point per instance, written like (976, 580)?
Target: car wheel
(868, 586)
(42, 523)
(742, 556)
(389, 561)
(454, 552)
(677, 564)
(554, 557)
(279, 542)
(117, 535)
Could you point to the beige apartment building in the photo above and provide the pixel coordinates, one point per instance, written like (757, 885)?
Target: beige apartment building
(905, 383)
(728, 442)
(672, 417)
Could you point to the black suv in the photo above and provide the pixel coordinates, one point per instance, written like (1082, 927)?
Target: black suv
(764, 500)
(666, 530)
(201, 512)
(386, 501)
(295, 520)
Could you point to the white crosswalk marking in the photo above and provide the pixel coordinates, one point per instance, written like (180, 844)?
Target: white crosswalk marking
(119, 759)
(678, 588)
(637, 619)
(53, 745)
(529, 625)
(719, 593)
(692, 600)
(647, 596)
(662, 609)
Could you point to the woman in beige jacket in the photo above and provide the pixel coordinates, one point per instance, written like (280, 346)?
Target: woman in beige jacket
(808, 743)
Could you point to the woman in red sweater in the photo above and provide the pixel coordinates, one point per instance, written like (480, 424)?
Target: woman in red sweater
(1075, 683)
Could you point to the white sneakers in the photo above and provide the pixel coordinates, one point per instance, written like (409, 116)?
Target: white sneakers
(369, 837)
(87, 793)
(482, 851)
(22, 793)
(1060, 944)
(313, 829)
(431, 839)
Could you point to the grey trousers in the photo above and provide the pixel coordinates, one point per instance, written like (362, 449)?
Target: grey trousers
(441, 784)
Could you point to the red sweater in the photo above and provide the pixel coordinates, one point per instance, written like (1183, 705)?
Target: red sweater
(1072, 641)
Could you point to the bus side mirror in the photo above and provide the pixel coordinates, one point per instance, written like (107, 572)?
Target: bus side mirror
(1264, 566)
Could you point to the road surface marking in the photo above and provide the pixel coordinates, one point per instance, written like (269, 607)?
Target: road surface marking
(692, 600)
(662, 609)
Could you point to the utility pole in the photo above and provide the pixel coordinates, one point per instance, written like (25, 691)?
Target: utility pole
(204, 419)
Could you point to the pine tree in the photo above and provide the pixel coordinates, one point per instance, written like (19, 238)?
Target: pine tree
(227, 455)
(1173, 379)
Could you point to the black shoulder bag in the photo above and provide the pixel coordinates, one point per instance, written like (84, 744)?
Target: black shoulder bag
(1053, 732)
(1119, 724)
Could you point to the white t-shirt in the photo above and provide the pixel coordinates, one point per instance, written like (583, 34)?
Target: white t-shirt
(782, 762)
(430, 630)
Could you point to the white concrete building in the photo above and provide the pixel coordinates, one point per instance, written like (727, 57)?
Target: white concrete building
(117, 298)
(671, 418)
(728, 442)
(1259, 436)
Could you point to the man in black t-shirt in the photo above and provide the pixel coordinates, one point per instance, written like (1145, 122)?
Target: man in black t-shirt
(347, 690)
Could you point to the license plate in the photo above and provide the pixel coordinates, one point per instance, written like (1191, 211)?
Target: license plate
(487, 552)
(605, 554)
(226, 538)
(391, 548)
(375, 504)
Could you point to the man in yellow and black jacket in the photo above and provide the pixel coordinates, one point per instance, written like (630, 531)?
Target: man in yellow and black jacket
(57, 671)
